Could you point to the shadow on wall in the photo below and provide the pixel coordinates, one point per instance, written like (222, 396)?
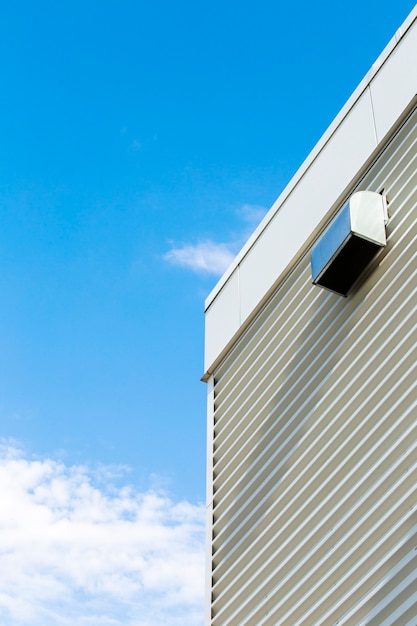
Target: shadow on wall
(288, 510)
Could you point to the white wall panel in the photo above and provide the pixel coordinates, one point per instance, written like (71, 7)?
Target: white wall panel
(222, 319)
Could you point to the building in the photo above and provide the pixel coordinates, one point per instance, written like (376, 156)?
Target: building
(312, 399)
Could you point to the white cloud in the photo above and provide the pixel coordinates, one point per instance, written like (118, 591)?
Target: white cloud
(205, 257)
(214, 258)
(75, 550)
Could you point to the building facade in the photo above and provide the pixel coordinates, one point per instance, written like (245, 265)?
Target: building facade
(312, 396)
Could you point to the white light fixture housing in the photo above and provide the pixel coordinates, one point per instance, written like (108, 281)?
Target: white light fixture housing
(350, 243)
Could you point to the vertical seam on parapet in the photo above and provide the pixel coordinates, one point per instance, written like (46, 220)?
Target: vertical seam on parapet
(398, 35)
(373, 115)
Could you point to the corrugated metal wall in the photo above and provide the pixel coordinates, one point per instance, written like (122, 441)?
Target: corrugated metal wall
(315, 448)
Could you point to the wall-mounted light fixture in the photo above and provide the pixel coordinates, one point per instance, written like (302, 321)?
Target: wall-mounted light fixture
(350, 243)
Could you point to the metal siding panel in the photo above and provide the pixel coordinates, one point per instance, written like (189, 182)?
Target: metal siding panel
(314, 440)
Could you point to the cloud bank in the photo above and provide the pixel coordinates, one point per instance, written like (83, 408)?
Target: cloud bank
(76, 549)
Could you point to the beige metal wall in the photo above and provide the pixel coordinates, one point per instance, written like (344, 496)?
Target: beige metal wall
(315, 449)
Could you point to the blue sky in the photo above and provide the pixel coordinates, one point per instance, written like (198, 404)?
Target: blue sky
(140, 144)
